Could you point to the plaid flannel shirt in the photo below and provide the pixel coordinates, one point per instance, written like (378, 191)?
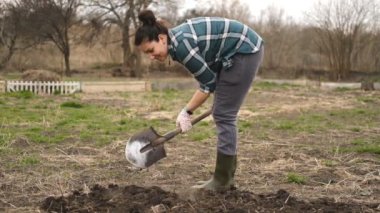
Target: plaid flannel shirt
(205, 45)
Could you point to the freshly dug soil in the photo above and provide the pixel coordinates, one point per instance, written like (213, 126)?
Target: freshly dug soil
(153, 199)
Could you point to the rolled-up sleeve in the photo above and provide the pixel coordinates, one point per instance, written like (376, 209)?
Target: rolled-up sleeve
(189, 55)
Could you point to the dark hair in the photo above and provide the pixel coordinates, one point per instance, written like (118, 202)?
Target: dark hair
(150, 28)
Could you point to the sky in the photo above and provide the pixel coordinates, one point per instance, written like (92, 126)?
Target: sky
(294, 8)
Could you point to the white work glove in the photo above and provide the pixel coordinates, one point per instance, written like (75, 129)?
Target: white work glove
(184, 121)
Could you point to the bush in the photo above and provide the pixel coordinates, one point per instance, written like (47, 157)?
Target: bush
(40, 75)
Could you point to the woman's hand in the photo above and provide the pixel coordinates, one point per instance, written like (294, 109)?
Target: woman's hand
(184, 121)
(184, 118)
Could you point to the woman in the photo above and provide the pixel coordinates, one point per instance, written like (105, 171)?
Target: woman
(223, 55)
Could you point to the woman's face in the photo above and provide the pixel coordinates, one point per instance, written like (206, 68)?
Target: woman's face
(156, 49)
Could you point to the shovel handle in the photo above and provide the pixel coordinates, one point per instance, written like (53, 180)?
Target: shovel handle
(175, 132)
(201, 117)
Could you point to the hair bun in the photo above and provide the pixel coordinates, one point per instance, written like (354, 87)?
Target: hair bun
(147, 17)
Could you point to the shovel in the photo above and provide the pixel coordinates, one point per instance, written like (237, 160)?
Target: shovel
(147, 147)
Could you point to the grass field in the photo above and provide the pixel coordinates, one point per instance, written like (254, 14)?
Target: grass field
(311, 142)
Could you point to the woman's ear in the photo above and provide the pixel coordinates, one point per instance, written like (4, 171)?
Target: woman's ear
(162, 38)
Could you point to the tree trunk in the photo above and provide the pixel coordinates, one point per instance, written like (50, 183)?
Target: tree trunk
(130, 57)
(7, 58)
(67, 64)
(127, 54)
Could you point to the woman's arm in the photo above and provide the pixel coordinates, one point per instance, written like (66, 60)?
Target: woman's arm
(197, 100)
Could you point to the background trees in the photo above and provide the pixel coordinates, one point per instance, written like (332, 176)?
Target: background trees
(123, 14)
(13, 34)
(340, 36)
(49, 21)
(342, 28)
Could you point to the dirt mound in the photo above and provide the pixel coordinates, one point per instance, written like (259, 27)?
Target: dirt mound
(40, 75)
(153, 199)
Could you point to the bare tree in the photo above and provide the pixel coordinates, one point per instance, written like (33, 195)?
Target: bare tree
(123, 13)
(280, 35)
(51, 21)
(12, 32)
(338, 26)
(8, 35)
(233, 9)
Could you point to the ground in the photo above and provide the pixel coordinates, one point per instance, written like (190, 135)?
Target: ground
(301, 149)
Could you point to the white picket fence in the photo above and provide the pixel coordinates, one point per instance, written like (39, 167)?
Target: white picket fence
(44, 87)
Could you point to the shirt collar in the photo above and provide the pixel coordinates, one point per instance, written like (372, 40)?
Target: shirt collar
(171, 48)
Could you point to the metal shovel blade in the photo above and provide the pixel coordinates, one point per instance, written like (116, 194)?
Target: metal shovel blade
(139, 140)
(147, 147)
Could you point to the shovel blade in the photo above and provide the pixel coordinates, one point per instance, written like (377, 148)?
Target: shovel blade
(138, 141)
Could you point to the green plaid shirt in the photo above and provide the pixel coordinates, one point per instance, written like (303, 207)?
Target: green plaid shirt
(205, 45)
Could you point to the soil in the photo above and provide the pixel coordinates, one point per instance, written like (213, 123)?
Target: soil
(139, 199)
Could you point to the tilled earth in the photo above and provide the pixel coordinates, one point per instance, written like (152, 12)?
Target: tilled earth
(133, 198)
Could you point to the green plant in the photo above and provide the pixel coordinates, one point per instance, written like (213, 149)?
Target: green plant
(200, 135)
(244, 125)
(57, 92)
(374, 149)
(342, 89)
(355, 129)
(364, 145)
(366, 99)
(296, 178)
(71, 104)
(21, 94)
(329, 163)
(29, 160)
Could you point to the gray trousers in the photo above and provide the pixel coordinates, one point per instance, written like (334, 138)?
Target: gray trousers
(232, 87)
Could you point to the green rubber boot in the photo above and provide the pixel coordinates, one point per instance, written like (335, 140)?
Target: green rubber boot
(224, 174)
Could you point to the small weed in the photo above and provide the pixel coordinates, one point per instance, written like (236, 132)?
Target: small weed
(244, 125)
(200, 135)
(4, 139)
(366, 99)
(355, 129)
(358, 142)
(57, 92)
(296, 178)
(374, 149)
(342, 89)
(86, 136)
(286, 125)
(29, 161)
(62, 123)
(21, 94)
(40, 106)
(103, 141)
(71, 104)
(364, 146)
(329, 163)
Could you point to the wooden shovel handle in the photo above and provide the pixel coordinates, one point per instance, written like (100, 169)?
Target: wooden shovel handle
(201, 117)
(175, 132)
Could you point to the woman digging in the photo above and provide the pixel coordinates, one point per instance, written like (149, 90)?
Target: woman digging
(223, 55)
